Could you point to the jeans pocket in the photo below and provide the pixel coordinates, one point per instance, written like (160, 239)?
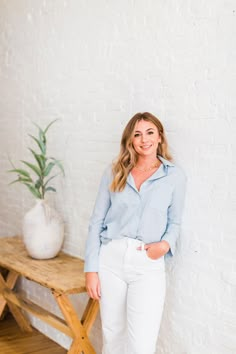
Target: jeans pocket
(149, 258)
(158, 261)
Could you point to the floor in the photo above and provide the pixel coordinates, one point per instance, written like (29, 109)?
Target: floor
(13, 341)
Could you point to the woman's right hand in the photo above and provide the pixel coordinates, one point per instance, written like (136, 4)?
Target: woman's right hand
(93, 285)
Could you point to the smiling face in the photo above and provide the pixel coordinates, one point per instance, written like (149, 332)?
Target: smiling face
(146, 139)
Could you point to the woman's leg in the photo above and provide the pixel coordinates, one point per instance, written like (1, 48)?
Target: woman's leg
(145, 301)
(132, 298)
(113, 298)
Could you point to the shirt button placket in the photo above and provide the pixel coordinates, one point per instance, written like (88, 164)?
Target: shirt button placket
(139, 215)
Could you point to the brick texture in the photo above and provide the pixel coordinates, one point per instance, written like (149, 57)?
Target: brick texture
(94, 64)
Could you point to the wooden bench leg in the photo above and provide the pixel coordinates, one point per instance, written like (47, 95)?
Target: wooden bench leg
(7, 286)
(9, 283)
(81, 343)
(90, 314)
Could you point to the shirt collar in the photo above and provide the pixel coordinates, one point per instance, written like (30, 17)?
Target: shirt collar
(161, 172)
(164, 161)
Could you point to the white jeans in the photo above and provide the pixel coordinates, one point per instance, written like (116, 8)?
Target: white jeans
(132, 297)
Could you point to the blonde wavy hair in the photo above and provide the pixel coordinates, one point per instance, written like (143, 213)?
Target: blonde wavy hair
(128, 157)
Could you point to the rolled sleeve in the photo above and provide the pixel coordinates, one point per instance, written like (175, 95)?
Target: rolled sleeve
(175, 212)
(96, 223)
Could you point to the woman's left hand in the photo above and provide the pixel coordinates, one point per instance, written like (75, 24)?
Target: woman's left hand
(156, 250)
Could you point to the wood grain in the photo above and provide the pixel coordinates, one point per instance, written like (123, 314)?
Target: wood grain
(81, 342)
(63, 273)
(13, 341)
(38, 312)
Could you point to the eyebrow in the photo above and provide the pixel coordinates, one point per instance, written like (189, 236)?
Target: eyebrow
(138, 131)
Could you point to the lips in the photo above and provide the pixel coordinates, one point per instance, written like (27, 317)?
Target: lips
(145, 146)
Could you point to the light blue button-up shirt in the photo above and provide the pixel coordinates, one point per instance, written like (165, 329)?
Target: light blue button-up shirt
(151, 214)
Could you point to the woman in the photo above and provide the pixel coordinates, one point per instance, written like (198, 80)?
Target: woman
(135, 223)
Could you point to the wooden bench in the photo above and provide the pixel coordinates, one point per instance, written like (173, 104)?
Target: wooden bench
(63, 275)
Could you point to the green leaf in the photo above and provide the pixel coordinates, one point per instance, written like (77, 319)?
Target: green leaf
(21, 172)
(22, 180)
(33, 167)
(42, 168)
(17, 180)
(38, 183)
(50, 180)
(42, 134)
(49, 168)
(41, 145)
(50, 189)
(58, 163)
(25, 179)
(39, 158)
(33, 190)
(42, 137)
(49, 125)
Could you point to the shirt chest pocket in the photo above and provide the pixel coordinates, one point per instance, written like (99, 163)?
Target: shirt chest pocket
(160, 198)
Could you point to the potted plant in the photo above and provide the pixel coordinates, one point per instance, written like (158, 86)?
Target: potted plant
(43, 228)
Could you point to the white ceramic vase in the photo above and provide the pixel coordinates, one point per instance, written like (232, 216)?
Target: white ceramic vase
(43, 231)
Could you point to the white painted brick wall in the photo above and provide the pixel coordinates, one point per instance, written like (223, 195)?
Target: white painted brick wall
(96, 63)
